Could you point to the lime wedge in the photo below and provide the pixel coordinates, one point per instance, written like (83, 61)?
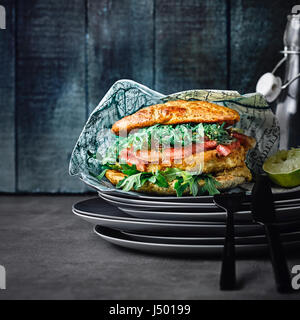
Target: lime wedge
(283, 168)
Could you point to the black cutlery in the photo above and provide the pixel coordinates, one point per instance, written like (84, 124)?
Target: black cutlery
(263, 211)
(230, 202)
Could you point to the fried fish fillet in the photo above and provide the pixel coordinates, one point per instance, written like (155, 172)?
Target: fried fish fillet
(177, 112)
(208, 161)
(205, 161)
(227, 179)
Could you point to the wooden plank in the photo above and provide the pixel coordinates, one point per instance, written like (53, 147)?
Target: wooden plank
(256, 39)
(190, 45)
(120, 44)
(7, 100)
(51, 107)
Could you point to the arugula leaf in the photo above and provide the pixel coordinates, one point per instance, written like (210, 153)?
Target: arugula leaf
(127, 183)
(145, 178)
(171, 173)
(161, 181)
(194, 186)
(210, 185)
(180, 187)
(129, 172)
(186, 179)
(101, 175)
(152, 179)
(135, 179)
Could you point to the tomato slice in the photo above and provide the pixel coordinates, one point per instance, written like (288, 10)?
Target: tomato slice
(131, 159)
(210, 144)
(241, 137)
(225, 150)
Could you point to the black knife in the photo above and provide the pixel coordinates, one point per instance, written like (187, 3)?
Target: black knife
(263, 212)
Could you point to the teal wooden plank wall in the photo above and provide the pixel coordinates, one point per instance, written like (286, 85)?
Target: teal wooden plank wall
(58, 58)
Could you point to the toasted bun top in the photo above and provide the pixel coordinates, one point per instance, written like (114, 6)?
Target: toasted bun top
(176, 112)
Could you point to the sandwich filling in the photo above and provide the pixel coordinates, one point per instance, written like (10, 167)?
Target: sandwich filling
(181, 154)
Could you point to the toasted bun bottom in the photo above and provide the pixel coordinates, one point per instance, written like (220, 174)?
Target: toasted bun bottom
(228, 179)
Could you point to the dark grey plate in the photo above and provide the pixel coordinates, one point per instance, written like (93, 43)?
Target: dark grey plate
(169, 228)
(101, 208)
(184, 215)
(260, 239)
(191, 211)
(197, 202)
(97, 211)
(216, 217)
(280, 194)
(136, 195)
(120, 239)
(159, 203)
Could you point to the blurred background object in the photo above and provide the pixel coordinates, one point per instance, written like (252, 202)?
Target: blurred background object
(58, 59)
(287, 107)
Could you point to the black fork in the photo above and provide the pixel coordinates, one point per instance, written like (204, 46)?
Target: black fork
(230, 202)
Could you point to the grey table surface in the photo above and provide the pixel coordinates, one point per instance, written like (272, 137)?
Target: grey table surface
(49, 253)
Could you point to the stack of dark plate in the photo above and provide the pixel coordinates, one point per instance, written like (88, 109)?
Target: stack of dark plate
(186, 225)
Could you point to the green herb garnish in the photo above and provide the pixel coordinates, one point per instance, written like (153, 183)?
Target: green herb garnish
(169, 136)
